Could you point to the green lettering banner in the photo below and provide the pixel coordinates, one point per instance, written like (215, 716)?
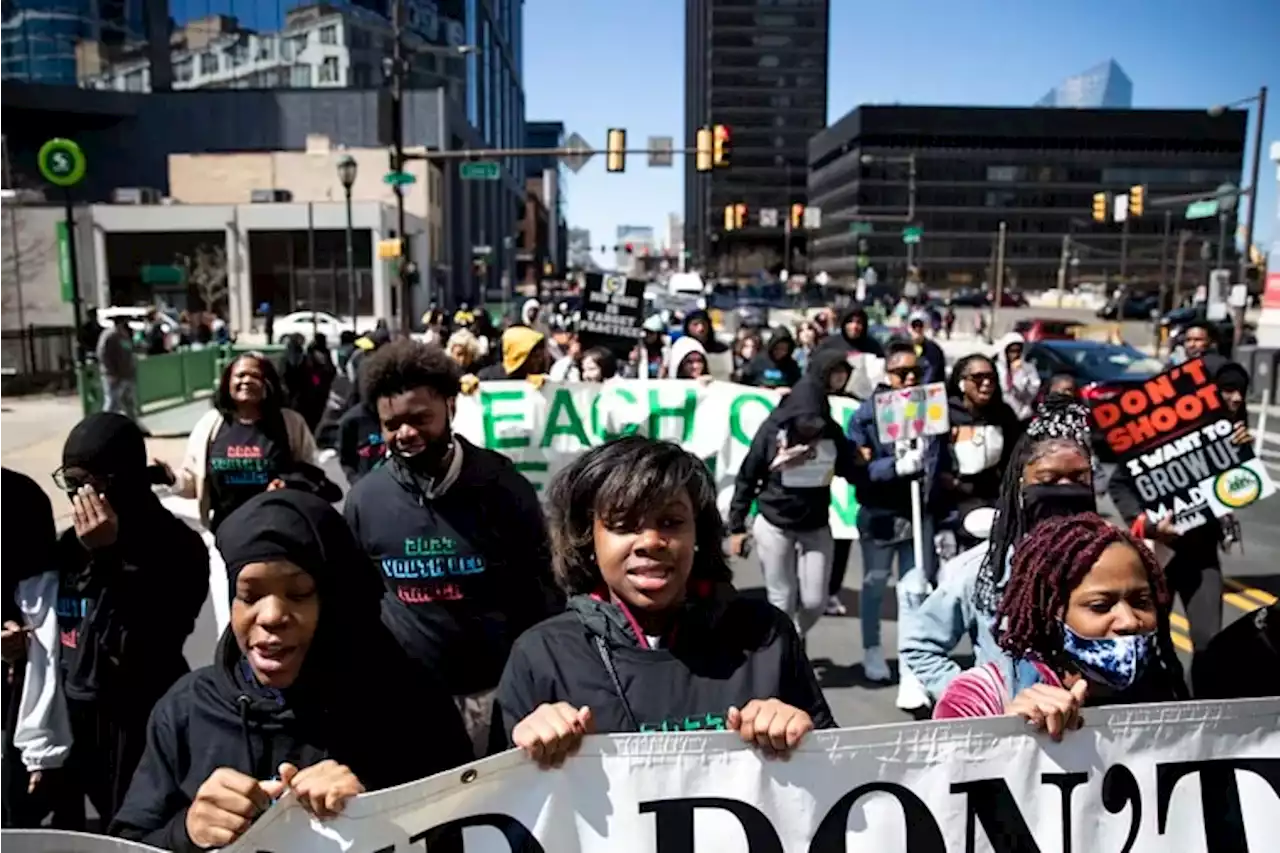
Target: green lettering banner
(544, 429)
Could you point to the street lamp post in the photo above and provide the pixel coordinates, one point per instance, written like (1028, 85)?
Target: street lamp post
(347, 174)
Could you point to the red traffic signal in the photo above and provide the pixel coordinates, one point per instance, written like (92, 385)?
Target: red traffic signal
(630, 248)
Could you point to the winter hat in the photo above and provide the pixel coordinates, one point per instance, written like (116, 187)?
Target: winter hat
(517, 343)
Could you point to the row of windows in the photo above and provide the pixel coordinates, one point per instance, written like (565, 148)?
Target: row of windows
(766, 20)
(1084, 174)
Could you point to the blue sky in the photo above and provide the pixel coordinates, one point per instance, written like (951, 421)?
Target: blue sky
(596, 64)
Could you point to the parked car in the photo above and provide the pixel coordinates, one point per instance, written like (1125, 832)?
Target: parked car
(302, 323)
(1134, 307)
(1047, 330)
(1102, 370)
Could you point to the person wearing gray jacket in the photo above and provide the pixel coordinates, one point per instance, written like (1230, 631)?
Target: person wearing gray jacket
(119, 369)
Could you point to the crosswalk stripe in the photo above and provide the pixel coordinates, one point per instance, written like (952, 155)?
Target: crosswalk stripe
(1182, 641)
(1259, 596)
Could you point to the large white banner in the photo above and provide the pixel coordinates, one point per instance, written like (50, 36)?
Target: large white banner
(1196, 777)
(544, 430)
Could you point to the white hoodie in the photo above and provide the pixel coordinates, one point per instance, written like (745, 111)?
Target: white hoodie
(1019, 388)
(682, 349)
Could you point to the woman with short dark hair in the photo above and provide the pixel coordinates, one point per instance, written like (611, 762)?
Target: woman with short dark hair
(654, 639)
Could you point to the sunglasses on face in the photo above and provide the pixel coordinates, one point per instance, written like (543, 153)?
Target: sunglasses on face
(904, 373)
(982, 378)
(74, 481)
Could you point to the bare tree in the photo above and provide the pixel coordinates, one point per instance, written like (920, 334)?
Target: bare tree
(27, 251)
(206, 268)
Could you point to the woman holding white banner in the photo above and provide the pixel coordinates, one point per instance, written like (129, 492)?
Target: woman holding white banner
(287, 702)
(654, 638)
(787, 473)
(1086, 621)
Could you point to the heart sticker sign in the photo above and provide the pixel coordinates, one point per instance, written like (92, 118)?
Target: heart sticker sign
(910, 413)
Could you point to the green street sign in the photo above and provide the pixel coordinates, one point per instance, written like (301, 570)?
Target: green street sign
(912, 234)
(61, 162)
(398, 179)
(861, 228)
(481, 170)
(1202, 209)
(67, 286)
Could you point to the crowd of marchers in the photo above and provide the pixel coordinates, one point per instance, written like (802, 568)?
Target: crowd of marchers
(445, 586)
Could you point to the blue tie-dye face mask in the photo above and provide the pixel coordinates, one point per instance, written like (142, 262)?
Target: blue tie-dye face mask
(1117, 662)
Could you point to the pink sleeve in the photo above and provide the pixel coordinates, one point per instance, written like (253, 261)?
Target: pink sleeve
(978, 692)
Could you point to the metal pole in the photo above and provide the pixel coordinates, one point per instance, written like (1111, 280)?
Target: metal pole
(311, 268)
(397, 141)
(1062, 268)
(995, 307)
(351, 268)
(1164, 274)
(1253, 183)
(1183, 236)
(1124, 251)
(73, 270)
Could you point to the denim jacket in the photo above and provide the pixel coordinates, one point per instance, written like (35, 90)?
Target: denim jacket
(949, 614)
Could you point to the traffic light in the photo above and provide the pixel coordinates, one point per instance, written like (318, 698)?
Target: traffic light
(1100, 205)
(616, 155)
(630, 248)
(797, 215)
(722, 147)
(703, 158)
(1137, 195)
(739, 215)
(548, 268)
(729, 216)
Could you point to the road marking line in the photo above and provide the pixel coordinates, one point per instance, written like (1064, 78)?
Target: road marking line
(1181, 641)
(1179, 621)
(1240, 602)
(1262, 597)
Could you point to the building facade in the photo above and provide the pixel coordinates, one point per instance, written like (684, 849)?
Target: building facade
(1036, 170)
(761, 71)
(40, 37)
(552, 173)
(635, 242)
(1103, 86)
(579, 241)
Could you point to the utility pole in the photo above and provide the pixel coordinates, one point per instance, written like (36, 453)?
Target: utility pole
(397, 156)
(1124, 251)
(1253, 184)
(1062, 267)
(1164, 271)
(995, 307)
(1183, 237)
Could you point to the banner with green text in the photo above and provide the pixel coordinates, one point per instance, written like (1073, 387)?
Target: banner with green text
(543, 429)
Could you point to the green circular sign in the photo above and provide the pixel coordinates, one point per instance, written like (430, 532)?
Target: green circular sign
(61, 162)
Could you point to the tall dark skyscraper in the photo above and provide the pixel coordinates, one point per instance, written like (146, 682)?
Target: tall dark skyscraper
(760, 68)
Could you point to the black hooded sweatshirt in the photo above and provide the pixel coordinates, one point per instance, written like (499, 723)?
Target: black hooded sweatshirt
(358, 700)
(787, 506)
(724, 651)
(837, 341)
(765, 371)
(125, 610)
(467, 571)
(710, 343)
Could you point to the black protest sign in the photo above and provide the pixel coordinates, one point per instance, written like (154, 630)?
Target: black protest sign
(612, 311)
(1172, 433)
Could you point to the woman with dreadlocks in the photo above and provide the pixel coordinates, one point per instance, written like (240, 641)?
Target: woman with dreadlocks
(1085, 620)
(1049, 475)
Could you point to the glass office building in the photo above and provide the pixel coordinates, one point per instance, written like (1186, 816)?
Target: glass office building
(1036, 170)
(40, 36)
(1103, 86)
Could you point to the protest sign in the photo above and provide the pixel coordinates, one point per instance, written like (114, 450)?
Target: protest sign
(1174, 435)
(1139, 779)
(612, 311)
(905, 414)
(544, 429)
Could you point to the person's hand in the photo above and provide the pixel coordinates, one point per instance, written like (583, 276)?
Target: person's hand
(1241, 434)
(1050, 709)
(737, 544)
(96, 524)
(469, 384)
(13, 641)
(225, 806)
(537, 380)
(170, 478)
(782, 392)
(770, 724)
(1165, 531)
(276, 485)
(34, 778)
(553, 732)
(910, 463)
(706, 379)
(322, 789)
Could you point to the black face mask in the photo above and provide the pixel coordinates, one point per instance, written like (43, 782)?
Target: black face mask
(1042, 501)
(430, 462)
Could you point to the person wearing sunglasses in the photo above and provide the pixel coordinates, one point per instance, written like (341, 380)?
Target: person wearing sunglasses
(132, 581)
(1019, 381)
(884, 517)
(933, 361)
(983, 432)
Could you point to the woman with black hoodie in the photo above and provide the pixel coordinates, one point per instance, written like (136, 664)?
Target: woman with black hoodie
(287, 701)
(776, 367)
(787, 472)
(654, 638)
(853, 336)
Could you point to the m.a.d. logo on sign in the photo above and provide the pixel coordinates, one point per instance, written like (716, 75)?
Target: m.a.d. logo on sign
(615, 284)
(1237, 488)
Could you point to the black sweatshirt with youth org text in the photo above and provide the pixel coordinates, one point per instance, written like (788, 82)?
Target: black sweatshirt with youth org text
(724, 651)
(467, 571)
